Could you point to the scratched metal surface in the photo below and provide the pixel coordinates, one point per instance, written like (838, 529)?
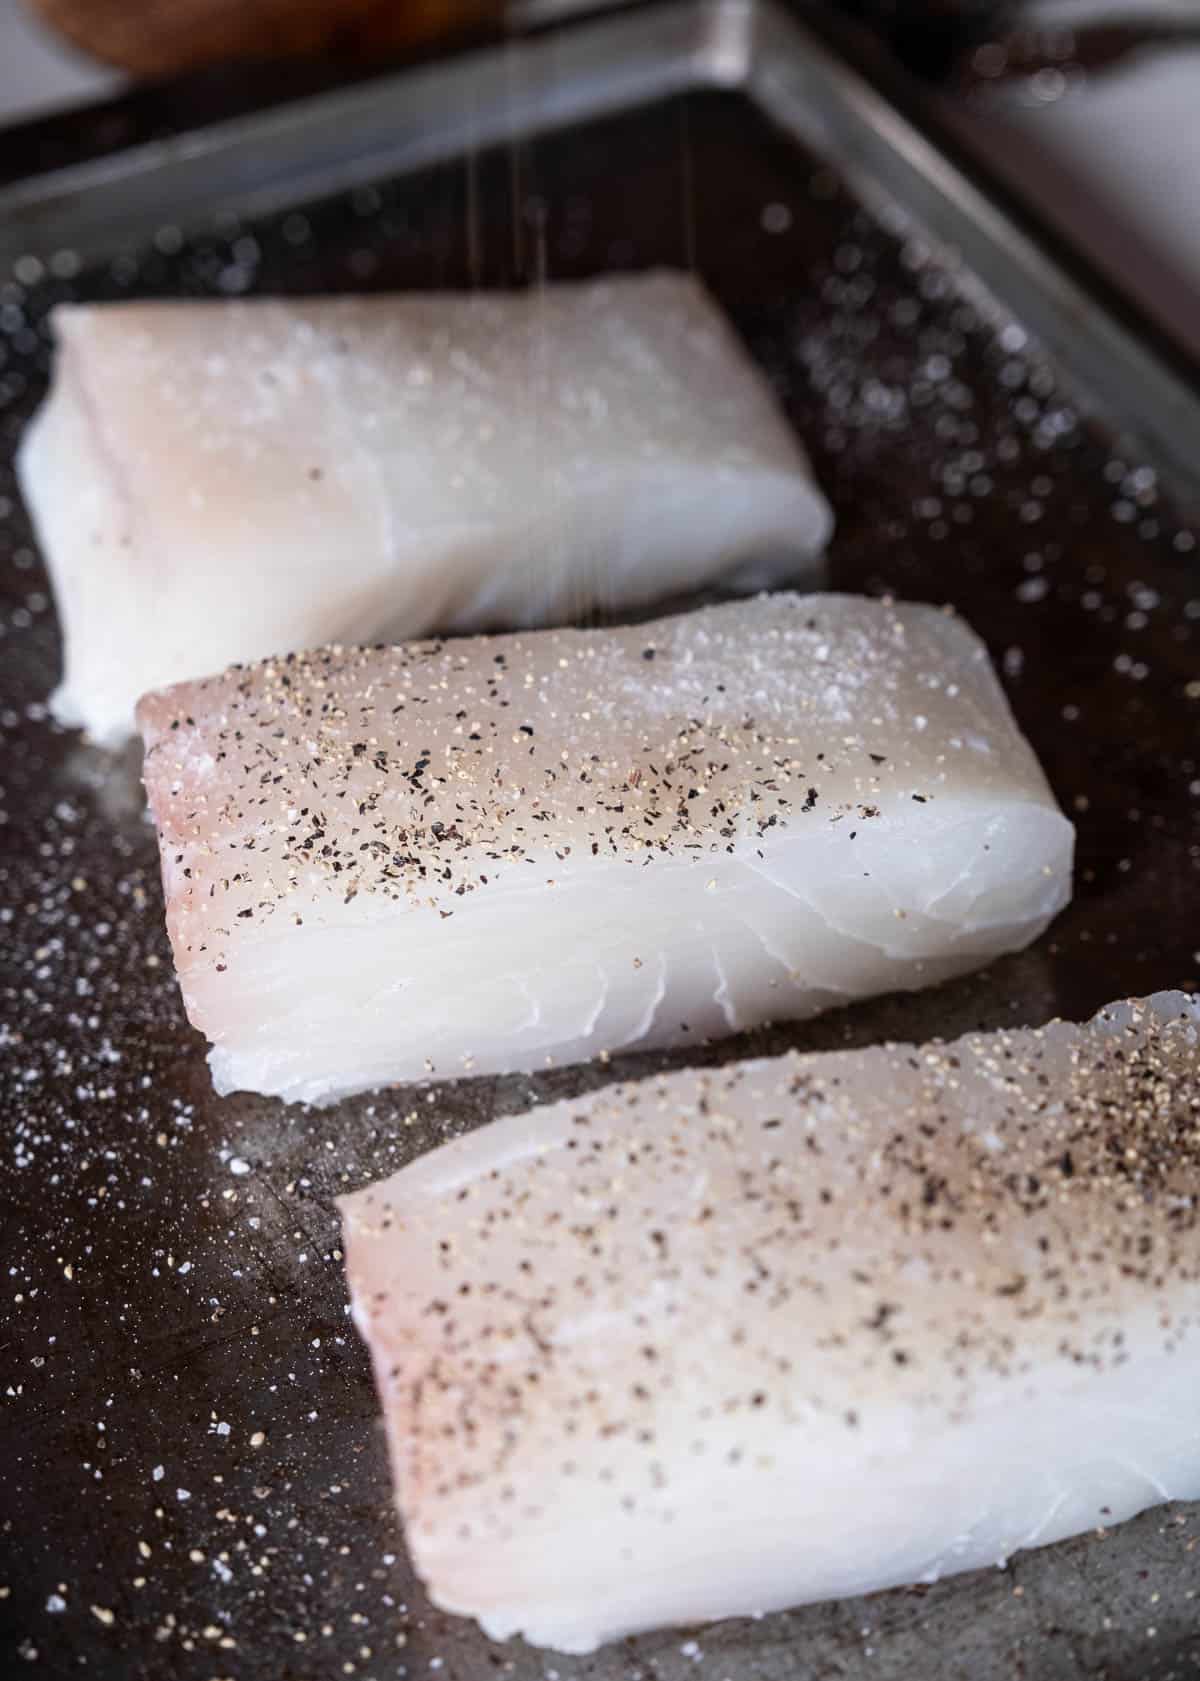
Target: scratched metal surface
(193, 1482)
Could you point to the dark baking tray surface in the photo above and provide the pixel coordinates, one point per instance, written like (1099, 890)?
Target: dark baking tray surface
(194, 1482)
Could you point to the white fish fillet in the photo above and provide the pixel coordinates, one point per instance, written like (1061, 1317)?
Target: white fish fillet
(725, 1341)
(491, 854)
(214, 482)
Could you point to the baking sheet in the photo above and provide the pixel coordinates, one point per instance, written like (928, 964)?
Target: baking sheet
(194, 1482)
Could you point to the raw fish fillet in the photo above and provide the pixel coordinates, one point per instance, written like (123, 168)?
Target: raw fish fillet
(214, 482)
(492, 854)
(724, 1341)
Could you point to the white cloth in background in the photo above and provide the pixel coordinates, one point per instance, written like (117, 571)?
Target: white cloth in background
(38, 73)
(1115, 164)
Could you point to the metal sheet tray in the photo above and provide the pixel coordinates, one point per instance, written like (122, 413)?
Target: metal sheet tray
(194, 1483)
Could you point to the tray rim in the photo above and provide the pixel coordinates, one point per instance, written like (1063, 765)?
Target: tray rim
(266, 161)
(567, 61)
(138, 1634)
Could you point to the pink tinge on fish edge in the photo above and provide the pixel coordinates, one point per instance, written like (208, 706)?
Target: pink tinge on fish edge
(357, 468)
(723, 1341)
(495, 854)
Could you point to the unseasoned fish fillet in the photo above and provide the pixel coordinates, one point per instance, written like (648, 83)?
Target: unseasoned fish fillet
(491, 854)
(222, 481)
(724, 1341)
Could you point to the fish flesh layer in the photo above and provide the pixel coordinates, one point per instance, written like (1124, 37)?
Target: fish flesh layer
(494, 854)
(222, 481)
(727, 1340)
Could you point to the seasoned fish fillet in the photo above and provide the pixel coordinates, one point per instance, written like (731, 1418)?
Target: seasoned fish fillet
(492, 854)
(724, 1341)
(221, 481)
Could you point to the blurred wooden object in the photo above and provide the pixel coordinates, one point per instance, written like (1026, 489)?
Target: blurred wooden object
(169, 37)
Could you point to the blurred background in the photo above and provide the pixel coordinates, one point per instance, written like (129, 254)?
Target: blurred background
(39, 72)
(1088, 109)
